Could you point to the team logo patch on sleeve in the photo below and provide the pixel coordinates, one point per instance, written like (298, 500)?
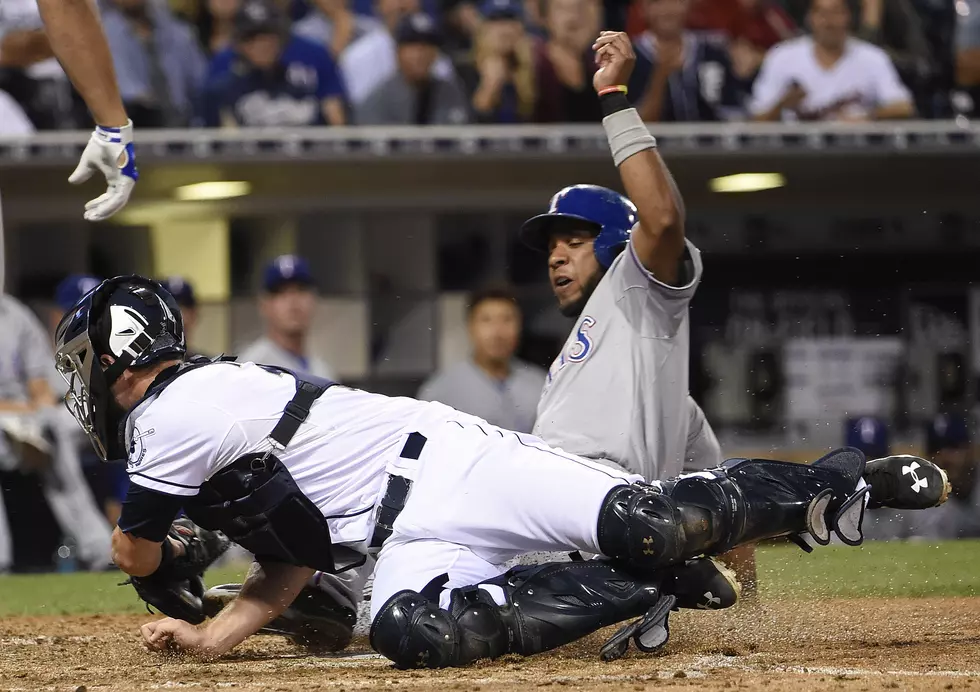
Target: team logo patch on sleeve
(137, 448)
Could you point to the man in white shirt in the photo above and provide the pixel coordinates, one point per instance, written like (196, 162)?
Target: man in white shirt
(287, 307)
(310, 475)
(829, 75)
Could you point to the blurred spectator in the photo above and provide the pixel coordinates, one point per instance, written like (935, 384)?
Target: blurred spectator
(272, 79)
(334, 26)
(501, 78)
(158, 61)
(287, 307)
(829, 75)
(869, 435)
(896, 27)
(566, 63)
(183, 292)
(968, 47)
(751, 26)
(947, 444)
(492, 383)
(681, 76)
(461, 20)
(216, 25)
(13, 120)
(413, 96)
(31, 74)
(36, 437)
(372, 60)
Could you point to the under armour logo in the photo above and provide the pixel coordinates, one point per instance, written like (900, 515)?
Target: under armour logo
(423, 658)
(710, 601)
(917, 483)
(648, 545)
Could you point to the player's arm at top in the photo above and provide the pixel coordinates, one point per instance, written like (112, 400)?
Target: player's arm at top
(77, 39)
(658, 240)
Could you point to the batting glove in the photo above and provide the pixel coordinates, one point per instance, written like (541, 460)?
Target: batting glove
(109, 151)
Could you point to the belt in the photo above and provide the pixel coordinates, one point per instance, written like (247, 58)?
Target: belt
(396, 493)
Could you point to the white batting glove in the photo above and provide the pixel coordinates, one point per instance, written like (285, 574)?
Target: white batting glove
(109, 151)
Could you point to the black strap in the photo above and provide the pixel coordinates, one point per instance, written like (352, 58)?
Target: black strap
(296, 412)
(396, 493)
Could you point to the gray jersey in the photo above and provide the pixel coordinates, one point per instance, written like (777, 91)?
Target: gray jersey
(508, 404)
(266, 352)
(619, 388)
(25, 350)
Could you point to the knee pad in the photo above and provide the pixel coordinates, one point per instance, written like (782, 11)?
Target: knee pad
(654, 527)
(415, 632)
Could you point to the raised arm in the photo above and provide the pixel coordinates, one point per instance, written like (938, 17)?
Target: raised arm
(77, 39)
(658, 240)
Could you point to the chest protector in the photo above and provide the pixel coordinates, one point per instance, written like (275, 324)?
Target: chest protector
(256, 502)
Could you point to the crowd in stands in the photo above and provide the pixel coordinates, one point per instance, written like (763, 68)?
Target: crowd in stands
(267, 63)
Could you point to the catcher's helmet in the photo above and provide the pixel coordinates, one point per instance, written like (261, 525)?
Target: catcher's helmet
(581, 207)
(134, 320)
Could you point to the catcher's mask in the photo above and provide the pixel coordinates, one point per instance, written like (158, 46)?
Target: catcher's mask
(134, 320)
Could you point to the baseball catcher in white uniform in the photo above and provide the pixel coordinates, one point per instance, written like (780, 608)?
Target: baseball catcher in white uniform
(309, 475)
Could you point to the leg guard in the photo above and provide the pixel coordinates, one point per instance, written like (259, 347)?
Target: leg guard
(745, 500)
(546, 606)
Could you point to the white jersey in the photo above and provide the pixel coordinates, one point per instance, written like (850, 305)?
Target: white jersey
(211, 416)
(618, 390)
(862, 80)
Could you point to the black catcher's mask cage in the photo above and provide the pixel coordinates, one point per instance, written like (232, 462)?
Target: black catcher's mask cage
(134, 320)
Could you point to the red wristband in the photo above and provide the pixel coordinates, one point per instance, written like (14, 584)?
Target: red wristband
(613, 89)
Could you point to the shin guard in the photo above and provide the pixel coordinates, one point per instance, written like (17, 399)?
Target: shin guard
(745, 500)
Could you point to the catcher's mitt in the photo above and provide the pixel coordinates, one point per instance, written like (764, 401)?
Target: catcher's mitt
(177, 589)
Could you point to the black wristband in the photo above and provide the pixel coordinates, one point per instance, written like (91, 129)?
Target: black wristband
(613, 102)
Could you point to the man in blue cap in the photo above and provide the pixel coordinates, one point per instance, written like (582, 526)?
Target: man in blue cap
(287, 307)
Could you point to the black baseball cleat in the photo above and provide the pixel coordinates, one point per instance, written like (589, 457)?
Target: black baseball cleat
(905, 482)
(314, 619)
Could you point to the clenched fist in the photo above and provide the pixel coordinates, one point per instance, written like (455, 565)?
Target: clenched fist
(175, 636)
(615, 58)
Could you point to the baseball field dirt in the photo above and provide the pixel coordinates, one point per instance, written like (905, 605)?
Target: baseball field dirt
(889, 617)
(835, 644)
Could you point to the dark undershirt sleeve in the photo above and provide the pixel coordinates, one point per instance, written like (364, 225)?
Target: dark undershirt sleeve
(148, 514)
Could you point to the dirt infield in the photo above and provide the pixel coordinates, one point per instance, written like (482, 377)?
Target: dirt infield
(860, 644)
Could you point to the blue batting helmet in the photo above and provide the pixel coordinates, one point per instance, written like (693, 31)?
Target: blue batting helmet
(585, 207)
